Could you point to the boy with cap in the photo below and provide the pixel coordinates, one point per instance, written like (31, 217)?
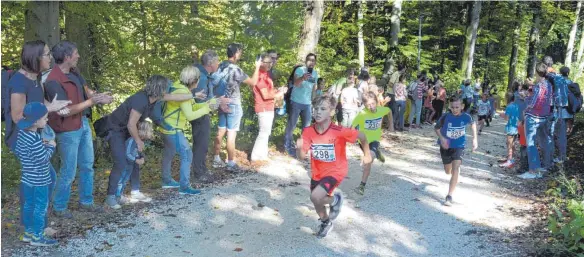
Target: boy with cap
(34, 156)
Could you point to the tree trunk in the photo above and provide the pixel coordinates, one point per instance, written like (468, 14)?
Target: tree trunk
(533, 42)
(515, 48)
(581, 46)
(42, 22)
(360, 41)
(77, 31)
(471, 38)
(572, 39)
(311, 28)
(396, 11)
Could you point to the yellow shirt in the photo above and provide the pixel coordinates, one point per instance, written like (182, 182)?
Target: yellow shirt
(180, 113)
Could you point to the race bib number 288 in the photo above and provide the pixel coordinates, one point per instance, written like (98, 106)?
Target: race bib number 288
(323, 152)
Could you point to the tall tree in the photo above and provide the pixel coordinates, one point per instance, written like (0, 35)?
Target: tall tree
(515, 47)
(77, 30)
(533, 40)
(572, 39)
(471, 38)
(311, 28)
(360, 40)
(396, 11)
(42, 22)
(580, 45)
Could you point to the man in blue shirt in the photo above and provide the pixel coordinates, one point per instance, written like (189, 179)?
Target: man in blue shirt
(201, 127)
(451, 131)
(305, 79)
(560, 102)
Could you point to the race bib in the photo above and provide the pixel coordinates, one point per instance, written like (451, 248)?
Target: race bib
(455, 132)
(323, 152)
(373, 124)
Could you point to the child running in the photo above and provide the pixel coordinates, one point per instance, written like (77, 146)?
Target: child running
(512, 116)
(451, 131)
(483, 111)
(35, 159)
(327, 143)
(134, 160)
(369, 122)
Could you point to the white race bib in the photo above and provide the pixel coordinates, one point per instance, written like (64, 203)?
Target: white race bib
(323, 152)
(373, 124)
(455, 132)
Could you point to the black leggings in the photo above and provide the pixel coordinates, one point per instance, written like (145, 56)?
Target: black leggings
(438, 106)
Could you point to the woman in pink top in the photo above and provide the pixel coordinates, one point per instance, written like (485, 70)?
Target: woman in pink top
(399, 89)
(428, 105)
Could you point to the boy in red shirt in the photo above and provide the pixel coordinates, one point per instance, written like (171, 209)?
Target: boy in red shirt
(327, 143)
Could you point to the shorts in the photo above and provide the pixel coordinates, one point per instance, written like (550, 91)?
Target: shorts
(328, 183)
(231, 120)
(373, 147)
(511, 131)
(451, 154)
(482, 117)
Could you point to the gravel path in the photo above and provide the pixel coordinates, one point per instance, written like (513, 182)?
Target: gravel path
(269, 213)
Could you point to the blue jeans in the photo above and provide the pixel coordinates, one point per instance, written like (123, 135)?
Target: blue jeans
(400, 109)
(538, 129)
(304, 111)
(132, 174)
(35, 205)
(417, 110)
(51, 188)
(173, 144)
(76, 150)
(559, 135)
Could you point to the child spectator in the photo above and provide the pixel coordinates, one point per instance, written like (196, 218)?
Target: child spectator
(34, 156)
(134, 159)
(512, 117)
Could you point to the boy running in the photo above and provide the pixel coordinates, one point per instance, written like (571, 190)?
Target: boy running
(369, 122)
(483, 111)
(327, 143)
(451, 131)
(512, 116)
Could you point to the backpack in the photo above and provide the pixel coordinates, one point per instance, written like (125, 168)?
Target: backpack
(219, 79)
(411, 89)
(6, 76)
(157, 115)
(574, 98)
(288, 94)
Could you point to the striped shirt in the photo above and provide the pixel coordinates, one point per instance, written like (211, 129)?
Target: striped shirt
(34, 158)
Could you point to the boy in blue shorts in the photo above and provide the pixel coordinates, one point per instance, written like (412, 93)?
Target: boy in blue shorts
(451, 131)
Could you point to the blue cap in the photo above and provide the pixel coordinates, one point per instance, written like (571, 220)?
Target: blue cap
(32, 112)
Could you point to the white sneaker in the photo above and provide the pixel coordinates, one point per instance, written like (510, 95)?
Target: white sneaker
(507, 164)
(218, 163)
(529, 175)
(137, 196)
(123, 200)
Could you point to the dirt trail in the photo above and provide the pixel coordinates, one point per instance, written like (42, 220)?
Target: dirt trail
(269, 213)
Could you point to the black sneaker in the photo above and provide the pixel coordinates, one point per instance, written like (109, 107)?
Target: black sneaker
(204, 177)
(324, 228)
(448, 201)
(65, 214)
(336, 209)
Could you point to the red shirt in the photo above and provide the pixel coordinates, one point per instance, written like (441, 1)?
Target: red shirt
(261, 104)
(328, 155)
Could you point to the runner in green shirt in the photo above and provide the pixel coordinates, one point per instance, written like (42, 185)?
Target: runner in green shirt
(369, 122)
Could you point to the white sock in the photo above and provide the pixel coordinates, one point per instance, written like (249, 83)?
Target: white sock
(231, 163)
(217, 158)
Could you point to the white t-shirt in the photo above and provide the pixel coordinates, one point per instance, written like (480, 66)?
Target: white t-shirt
(350, 98)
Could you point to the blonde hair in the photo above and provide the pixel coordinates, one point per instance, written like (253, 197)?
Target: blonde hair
(145, 130)
(325, 99)
(189, 75)
(368, 96)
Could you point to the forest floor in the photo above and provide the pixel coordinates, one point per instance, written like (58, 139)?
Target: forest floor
(267, 211)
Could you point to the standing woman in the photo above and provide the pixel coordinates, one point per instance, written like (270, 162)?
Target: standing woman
(438, 103)
(25, 87)
(123, 123)
(399, 89)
